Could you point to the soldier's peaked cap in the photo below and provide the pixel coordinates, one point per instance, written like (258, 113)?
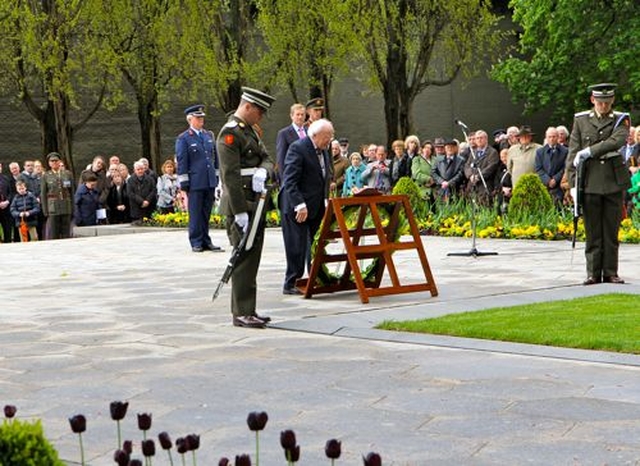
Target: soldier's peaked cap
(315, 104)
(53, 156)
(256, 97)
(603, 90)
(195, 110)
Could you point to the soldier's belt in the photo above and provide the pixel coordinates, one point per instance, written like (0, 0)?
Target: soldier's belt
(248, 171)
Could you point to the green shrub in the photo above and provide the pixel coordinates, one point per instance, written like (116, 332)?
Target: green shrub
(408, 187)
(530, 199)
(24, 444)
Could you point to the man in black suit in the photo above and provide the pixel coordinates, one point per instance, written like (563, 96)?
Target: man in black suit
(550, 164)
(306, 177)
(288, 135)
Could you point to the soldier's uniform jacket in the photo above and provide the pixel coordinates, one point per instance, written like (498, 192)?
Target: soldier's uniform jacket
(197, 160)
(56, 193)
(605, 171)
(241, 151)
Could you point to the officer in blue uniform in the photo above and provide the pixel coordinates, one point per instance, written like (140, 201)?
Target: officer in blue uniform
(197, 164)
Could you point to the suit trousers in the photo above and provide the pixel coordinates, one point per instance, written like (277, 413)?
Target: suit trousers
(244, 277)
(298, 238)
(602, 217)
(200, 205)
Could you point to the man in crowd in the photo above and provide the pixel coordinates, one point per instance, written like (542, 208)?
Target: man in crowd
(197, 164)
(596, 137)
(521, 158)
(315, 110)
(245, 167)
(550, 164)
(288, 135)
(484, 161)
(302, 201)
(448, 172)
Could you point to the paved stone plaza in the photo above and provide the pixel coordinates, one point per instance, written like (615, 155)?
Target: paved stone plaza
(129, 317)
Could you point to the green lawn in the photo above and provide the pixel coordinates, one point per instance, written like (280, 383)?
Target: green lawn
(609, 322)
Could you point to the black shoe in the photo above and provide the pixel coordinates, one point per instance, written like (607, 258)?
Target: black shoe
(265, 319)
(591, 281)
(291, 291)
(613, 279)
(212, 247)
(248, 321)
(197, 249)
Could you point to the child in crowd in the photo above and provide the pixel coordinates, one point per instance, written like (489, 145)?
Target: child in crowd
(25, 207)
(353, 176)
(86, 201)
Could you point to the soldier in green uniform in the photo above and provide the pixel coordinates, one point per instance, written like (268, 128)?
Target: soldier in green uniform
(245, 167)
(56, 195)
(593, 150)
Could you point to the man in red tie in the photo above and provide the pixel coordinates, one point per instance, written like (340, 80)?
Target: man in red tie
(289, 134)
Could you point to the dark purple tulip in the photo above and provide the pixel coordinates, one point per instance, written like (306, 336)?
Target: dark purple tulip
(292, 454)
(118, 410)
(144, 421)
(165, 440)
(243, 460)
(372, 459)
(148, 447)
(193, 441)
(288, 439)
(135, 463)
(333, 449)
(223, 461)
(256, 420)
(78, 423)
(10, 411)
(181, 445)
(127, 446)
(121, 457)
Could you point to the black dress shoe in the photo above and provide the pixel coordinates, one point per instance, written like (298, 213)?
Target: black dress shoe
(292, 291)
(591, 281)
(265, 319)
(213, 247)
(613, 279)
(248, 321)
(197, 249)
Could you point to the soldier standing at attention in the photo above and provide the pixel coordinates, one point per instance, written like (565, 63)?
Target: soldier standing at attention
(56, 195)
(197, 163)
(593, 150)
(245, 166)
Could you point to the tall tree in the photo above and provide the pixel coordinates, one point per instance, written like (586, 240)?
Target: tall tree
(49, 56)
(410, 45)
(565, 45)
(309, 43)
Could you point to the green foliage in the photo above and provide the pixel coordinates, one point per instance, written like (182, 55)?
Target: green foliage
(24, 444)
(408, 187)
(530, 199)
(559, 56)
(605, 322)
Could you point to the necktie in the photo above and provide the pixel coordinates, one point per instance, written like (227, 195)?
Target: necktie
(480, 153)
(301, 133)
(321, 161)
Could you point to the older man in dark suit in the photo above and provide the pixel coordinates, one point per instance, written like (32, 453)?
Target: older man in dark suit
(307, 173)
(550, 164)
(288, 135)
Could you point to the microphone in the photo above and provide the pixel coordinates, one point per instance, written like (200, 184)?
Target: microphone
(458, 122)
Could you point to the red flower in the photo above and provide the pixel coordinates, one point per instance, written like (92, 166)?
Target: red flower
(288, 439)
(257, 421)
(144, 421)
(78, 423)
(372, 459)
(165, 440)
(333, 449)
(10, 411)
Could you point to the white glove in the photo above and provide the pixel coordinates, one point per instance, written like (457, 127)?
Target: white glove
(581, 156)
(217, 193)
(258, 179)
(242, 220)
(574, 195)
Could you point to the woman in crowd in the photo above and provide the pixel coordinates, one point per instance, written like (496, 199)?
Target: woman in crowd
(167, 187)
(353, 176)
(421, 167)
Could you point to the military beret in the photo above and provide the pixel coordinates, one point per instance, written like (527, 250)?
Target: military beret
(256, 97)
(603, 91)
(315, 104)
(195, 110)
(53, 156)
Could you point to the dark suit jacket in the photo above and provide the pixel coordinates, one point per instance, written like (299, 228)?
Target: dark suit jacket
(550, 164)
(488, 164)
(303, 180)
(453, 173)
(286, 137)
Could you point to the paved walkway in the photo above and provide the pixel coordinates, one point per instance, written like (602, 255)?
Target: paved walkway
(96, 319)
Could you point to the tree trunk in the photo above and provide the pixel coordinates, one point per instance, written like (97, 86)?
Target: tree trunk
(150, 129)
(64, 131)
(48, 133)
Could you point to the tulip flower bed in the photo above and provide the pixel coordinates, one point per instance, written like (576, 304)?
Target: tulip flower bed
(22, 442)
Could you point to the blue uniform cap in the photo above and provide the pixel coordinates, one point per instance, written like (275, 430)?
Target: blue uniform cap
(195, 110)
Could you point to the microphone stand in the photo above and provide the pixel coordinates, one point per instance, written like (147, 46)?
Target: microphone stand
(473, 252)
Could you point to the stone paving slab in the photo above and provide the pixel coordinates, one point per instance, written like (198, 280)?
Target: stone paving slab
(129, 317)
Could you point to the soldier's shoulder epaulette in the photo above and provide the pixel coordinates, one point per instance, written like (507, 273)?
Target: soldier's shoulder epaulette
(580, 114)
(231, 124)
